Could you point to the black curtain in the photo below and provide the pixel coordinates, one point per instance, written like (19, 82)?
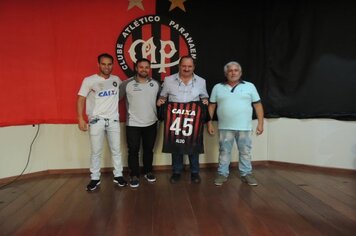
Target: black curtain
(300, 54)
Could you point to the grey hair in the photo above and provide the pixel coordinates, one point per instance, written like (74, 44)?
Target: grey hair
(231, 63)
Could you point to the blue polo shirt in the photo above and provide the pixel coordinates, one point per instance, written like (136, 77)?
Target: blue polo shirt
(234, 105)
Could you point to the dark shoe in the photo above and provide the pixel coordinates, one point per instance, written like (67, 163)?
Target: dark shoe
(93, 184)
(249, 179)
(134, 182)
(195, 178)
(220, 179)
(174, 178)
(120, 181)
(150, 177)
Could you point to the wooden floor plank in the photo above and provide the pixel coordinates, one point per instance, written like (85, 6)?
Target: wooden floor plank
(287, 202)
(324, 191)
(343, 183)
(11, 192)
(183, 214)
(327, 220)
(261, 209)
(200, 196)
(93, 209)
(328, 212)
(20, 192)
(120, 217)
(284, 213)
(163, 220)
(15, 214)
(73, 213)
(249, 218)
(40, 218)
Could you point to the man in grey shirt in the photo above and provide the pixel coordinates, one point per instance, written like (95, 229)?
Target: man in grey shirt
(184, 86)
(141, 93)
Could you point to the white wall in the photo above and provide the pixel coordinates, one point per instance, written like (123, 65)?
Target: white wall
(318, 142)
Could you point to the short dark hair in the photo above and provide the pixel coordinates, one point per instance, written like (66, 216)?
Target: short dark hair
(142, 60)
(105, 55)
(187, 57)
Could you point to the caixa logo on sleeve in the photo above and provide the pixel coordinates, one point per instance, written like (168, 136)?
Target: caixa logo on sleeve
(163, 41)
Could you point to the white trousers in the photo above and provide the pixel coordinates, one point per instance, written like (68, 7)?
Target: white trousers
(97, 130)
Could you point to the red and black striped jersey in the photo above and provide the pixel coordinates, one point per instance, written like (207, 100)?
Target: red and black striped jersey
(183, 127)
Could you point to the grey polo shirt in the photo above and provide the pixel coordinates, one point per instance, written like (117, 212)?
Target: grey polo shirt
(140, 101)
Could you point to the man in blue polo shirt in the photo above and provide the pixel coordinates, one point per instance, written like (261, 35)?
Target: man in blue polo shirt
(234, 100)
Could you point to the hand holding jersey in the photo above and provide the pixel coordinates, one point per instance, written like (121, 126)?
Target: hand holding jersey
(183, 87)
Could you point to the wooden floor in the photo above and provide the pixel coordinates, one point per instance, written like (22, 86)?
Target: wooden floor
(286, 202)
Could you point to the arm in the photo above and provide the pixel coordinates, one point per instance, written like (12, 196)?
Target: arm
(83, 126)
(204, 96)
(205, 101)
(163, 95)
(161, 100)
(121, 91)
(260, 116)
(211, 109)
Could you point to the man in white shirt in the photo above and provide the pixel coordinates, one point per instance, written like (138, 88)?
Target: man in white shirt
(100, 94)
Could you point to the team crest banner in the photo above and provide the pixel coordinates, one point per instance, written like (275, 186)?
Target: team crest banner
(300, 55)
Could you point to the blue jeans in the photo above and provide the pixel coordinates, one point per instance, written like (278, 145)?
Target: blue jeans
(177, 163)
(98, 128)
(244, 145)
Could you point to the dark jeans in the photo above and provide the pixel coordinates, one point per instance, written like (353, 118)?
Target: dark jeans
(177, 163)
(134, 135)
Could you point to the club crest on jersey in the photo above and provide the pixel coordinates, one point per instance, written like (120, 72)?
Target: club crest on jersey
(183, 112)
(160, 39)
(107, 93)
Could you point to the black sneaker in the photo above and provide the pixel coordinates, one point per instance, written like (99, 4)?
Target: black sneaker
(195, 178)
(93, 184)
(134, 182)
(120, 181)
(150, 177)
(174, 178)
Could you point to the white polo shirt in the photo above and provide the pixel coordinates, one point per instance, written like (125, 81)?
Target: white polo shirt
(102, 96)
